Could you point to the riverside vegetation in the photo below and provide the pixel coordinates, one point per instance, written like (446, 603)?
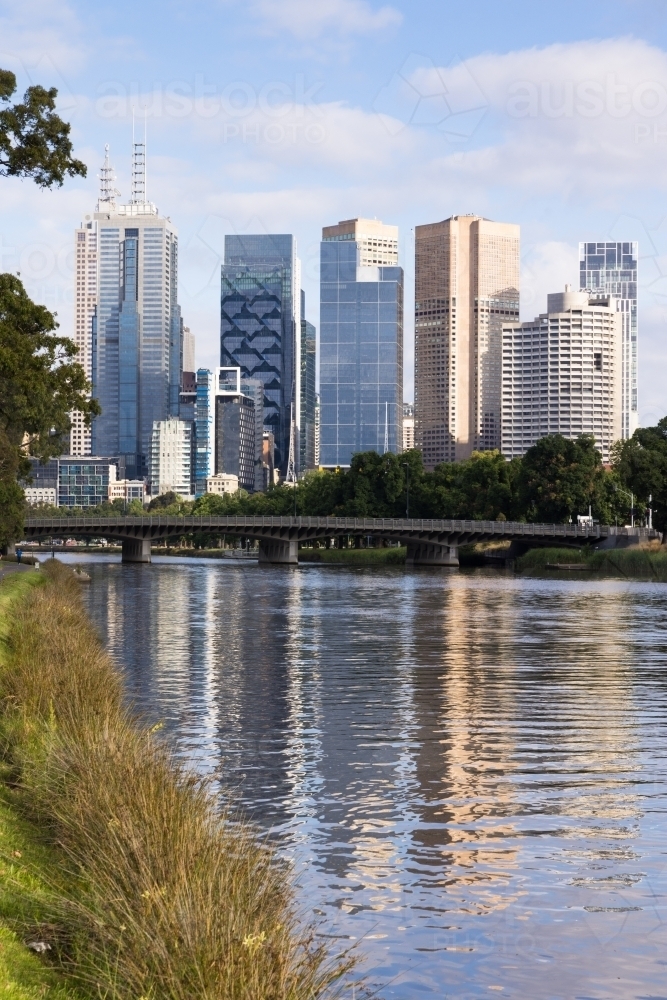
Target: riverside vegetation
(128, 876)
(556, 480)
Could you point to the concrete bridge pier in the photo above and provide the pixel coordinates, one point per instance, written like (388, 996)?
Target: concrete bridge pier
(279, 553)
(431, 554)
(136, 550)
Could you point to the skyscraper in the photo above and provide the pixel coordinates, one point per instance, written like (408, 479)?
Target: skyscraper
(466, 289)
(361, 341)
(85, 302)
(137, 329)
(308, 362)
(562, 373)
(260, 330)
(611, 269)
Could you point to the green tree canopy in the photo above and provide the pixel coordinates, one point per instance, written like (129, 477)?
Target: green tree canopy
(34, 141)
(558, 479)
(641, 465)
(40, 383)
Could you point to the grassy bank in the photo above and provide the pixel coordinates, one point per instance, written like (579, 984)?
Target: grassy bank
(142, 889)
(636, 562)
(362, 557)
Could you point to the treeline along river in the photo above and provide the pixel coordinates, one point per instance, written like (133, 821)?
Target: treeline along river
(468, 769)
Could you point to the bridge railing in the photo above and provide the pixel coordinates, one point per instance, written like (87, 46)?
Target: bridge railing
(235, 524)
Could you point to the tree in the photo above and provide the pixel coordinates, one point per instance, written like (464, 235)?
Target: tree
(39, 385)
(34, 141)
(559, 479)
(39, 382)
(641, 465)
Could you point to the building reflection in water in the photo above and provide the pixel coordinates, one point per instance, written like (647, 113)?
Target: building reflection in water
(452, 760)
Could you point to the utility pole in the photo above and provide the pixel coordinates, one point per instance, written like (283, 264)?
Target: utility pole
(407, 489)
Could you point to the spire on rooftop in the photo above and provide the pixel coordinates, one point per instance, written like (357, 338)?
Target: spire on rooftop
(108, 193)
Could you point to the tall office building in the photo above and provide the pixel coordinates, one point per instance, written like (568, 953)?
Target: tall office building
(562, 373)
(239, 428)
(260, 331)
(85, 302)
(137, 331)
(308, 362)
(361, 341)
(466, 288)
(204, 428)
(611, 269)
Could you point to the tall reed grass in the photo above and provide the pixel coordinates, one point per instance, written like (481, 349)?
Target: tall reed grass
(159, 895)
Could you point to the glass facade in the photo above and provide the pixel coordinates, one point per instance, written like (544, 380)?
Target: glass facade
(84, 482)
(361, 355)
(137, 332)
(611, 268)
(204, 431)
(260, 326)
(308, 372)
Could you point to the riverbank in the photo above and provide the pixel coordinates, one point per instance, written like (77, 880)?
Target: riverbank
(355, 557)
(636, 562)
(126, 875)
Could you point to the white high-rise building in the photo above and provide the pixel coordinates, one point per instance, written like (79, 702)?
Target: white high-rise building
(85, 302)
(137, 331)
(188, 350)
(171, 457)
(408, 426)
(562, 374)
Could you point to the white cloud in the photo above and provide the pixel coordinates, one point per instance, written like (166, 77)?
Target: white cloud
(310, 19)
(41, 41)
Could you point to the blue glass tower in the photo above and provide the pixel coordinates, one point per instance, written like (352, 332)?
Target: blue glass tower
(260, 329)
(361, 352)
(611, 268)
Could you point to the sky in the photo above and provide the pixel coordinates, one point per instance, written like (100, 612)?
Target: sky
(287, 115)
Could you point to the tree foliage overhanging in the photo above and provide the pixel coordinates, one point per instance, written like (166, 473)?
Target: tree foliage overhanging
(40, 384)
(34, 141)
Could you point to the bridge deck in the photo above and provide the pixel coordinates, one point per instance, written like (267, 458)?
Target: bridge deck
(161, 526)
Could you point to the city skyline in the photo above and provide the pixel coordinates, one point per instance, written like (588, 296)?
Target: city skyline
(243, 161)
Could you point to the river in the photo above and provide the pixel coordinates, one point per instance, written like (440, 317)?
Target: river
(467, 768)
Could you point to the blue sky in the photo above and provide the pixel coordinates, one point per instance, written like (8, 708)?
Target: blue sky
(287, 115)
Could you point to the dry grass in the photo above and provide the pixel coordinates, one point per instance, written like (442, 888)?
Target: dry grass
(162, 897)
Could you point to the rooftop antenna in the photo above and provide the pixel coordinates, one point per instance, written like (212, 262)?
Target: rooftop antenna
(108, 193)
(386, 427)
(138, 166)
(290, 476)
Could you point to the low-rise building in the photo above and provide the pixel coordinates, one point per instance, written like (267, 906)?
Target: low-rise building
(222, 483)
(561, 374)
(127, 489)
(41, 494)
(84, 482)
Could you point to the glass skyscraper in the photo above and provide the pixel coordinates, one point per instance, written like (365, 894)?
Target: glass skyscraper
(611, 268)
(308, 373)
(361, 341)
(260, 330)
(136, 328)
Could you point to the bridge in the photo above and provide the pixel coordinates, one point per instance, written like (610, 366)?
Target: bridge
(429, 542)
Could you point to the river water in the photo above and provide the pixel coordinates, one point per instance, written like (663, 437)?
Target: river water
(467, 768)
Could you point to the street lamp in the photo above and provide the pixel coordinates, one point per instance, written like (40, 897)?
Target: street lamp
(632, 504)
(407, 489)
